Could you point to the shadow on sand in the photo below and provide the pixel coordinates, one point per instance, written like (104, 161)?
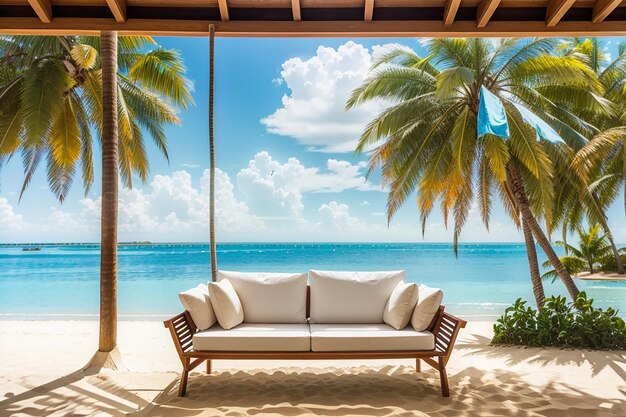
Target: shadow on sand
(387, 391)
(88, 392)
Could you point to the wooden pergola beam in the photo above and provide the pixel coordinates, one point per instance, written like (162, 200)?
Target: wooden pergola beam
(304, 29)
(556, 10)
(369, 10)
(118, 8)
(485, 11)
(43, 9)
(223, 10)
(449, 13)
(295, 9)
(603, 8)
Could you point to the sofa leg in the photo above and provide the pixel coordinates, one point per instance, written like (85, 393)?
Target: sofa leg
(208, 366)
(182, 387)
(418, 365)
(445, 389)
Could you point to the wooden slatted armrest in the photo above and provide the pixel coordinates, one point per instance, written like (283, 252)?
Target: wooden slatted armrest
(446, 331)
(182, 328)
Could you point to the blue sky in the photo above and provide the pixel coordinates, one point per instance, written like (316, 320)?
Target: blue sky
(286, 169)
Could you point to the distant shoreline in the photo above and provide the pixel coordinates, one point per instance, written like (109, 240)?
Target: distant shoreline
(147, 243)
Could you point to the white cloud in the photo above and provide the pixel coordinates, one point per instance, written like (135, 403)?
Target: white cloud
(364, 203)
(10, 221)
(274, 189)
(337, 217)
(314, 111)
(171, 209)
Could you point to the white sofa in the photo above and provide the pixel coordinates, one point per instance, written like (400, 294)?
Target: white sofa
(319, 315)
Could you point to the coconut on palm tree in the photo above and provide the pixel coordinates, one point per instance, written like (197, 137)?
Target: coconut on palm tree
(51, 104)
(426, 140)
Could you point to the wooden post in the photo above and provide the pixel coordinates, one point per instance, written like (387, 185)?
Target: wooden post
(110, 173)
(212, 249)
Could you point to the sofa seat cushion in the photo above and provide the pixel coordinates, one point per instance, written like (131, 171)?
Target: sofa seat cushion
(254, 337)
(368, 337)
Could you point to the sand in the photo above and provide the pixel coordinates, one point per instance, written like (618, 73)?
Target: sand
(601, 276)
(40, 375)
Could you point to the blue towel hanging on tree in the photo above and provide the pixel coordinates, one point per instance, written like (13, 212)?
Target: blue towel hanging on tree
(491, 115)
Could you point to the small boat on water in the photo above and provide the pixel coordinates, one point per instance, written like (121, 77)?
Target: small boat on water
(35, 249)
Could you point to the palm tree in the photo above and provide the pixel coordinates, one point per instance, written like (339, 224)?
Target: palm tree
(52, 102)
(58, 89)
(602, 180)
(426, 140)
(593, 248)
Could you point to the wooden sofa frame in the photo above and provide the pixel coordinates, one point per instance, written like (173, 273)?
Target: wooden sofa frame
(444, 326)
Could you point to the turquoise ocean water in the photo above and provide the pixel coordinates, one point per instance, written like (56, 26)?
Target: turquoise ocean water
(61, 282)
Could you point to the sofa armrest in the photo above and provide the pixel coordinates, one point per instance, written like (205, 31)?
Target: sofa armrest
(182, 328)
(446, 330)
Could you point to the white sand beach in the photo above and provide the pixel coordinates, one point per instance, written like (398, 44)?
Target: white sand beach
(41, 361)
(601, 276)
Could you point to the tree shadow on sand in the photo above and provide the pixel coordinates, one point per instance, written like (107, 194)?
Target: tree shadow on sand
(87, 392)
(386, 391)
(597, 360)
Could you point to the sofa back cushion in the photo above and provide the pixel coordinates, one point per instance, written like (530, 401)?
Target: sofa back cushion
(196, 301)
(269, 297)
(400, 306)
(428, 302)
(226, 304)
(351, 297)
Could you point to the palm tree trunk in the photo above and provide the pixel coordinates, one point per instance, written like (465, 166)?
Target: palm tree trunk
(108, 245)
(535, 277)
(529, 219)
(212, 153)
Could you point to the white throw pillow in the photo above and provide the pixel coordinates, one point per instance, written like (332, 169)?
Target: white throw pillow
(269, 297)
(351, 297)
(428, 302)
(197, 302)
(400, 305)
(226, 304)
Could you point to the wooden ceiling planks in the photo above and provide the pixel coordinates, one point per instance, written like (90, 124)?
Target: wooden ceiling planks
(318, 17)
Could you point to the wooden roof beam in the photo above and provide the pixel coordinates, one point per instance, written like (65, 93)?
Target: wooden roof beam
(329, 29)
(485, 11)
(369, 10)
(449, 13)
(295, 9)
(223, 10)
(556, 10)
(43, 9)
(603, 8)
(118, 8)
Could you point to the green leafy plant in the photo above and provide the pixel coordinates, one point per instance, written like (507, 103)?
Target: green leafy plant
(577, 324)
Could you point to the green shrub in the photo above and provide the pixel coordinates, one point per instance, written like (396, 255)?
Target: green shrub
(608, 263)
(559, 323)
